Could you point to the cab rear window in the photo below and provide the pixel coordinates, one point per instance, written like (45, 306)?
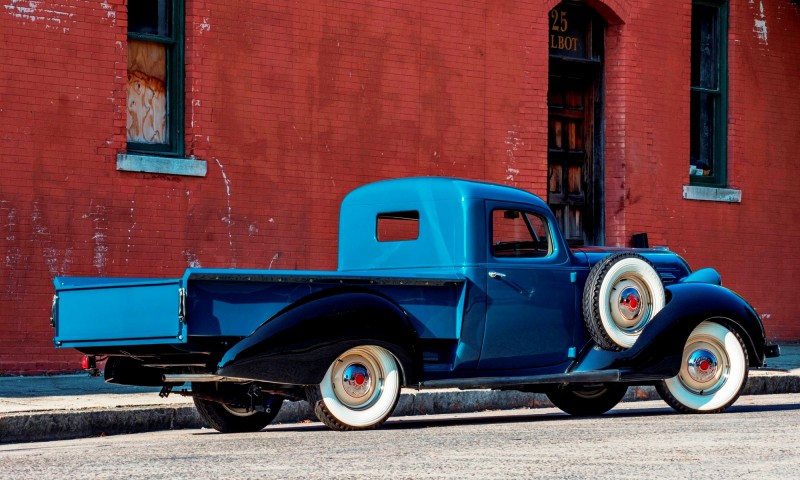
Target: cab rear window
(397, 226)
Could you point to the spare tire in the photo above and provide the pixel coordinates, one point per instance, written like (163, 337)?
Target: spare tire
(622, 294)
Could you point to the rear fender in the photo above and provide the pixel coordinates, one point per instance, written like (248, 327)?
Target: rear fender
(298, 344)
(658, 351)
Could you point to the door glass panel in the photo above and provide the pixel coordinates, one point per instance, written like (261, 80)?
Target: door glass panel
(519, 234)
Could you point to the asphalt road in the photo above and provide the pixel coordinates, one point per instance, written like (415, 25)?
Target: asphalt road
(758, 438)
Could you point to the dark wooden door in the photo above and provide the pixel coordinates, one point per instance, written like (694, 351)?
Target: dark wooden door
(569, 160)
(574, 161)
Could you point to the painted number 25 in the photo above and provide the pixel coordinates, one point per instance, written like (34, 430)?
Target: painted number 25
(559, 19)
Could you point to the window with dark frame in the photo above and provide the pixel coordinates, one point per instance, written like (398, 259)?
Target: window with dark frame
(155, 77)
(518, 234)
(709, 91)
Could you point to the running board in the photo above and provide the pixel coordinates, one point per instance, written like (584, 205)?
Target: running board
(594, 376)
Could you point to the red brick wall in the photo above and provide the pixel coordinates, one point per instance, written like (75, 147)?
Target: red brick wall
(292, 104)
(750, 243)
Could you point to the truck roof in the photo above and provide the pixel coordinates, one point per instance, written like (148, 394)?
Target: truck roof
(443, 220)
(438, 188)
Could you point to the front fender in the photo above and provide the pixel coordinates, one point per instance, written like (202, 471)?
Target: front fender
(658, 351)
(298, 345)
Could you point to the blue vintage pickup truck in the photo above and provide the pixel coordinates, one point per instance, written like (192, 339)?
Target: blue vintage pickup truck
(440, 283)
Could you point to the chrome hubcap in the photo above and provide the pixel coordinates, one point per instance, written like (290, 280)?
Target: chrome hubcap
(702, 366)
(356, 380)
(705, 366)
(630, 303)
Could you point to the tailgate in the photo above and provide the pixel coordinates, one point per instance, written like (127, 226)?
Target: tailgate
(96, 312)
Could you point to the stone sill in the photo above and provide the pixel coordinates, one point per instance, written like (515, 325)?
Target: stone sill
(163, 165)
(712, 194)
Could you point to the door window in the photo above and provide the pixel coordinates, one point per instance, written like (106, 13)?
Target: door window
(520, 234)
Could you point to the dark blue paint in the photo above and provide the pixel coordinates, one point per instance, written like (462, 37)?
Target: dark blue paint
(429, 298)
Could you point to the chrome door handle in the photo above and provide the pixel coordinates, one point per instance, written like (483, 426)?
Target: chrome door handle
(497, 275)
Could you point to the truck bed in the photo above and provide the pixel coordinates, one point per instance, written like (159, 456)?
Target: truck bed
(97, 312)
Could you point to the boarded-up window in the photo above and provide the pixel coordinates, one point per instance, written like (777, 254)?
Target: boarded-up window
(155, 77)
(147, 92)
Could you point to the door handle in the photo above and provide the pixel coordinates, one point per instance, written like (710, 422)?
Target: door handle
(512, 284)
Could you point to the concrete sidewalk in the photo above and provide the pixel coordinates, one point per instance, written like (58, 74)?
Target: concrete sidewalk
(75, 406)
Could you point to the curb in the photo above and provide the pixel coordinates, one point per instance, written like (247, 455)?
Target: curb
(65, 425)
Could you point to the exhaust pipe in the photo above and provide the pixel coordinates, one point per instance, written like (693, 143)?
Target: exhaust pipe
(200, 378)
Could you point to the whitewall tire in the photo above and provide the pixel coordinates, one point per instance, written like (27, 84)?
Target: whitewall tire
(714, 369)
(359, 391)
(622, 294)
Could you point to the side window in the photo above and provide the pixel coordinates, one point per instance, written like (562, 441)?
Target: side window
(155, 77)
(397, 226)
(519, 234)
(709, 93)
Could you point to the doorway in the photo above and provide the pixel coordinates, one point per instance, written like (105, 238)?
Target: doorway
(575, 115)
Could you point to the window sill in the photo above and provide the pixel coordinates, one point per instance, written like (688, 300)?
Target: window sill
(712, 194)
(163, 165)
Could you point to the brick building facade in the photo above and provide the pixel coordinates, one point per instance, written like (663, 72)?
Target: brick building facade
(676, 119)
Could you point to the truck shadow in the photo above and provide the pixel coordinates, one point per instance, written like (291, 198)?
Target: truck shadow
(533, 416)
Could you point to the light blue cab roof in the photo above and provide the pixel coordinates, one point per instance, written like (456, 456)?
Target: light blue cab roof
(437, 188)
(451, 218)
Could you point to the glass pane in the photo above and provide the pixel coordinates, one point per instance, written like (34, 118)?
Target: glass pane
(398, 226)
(519, 234)
(149, 16)
(147, 93)
(705, 44)
(702, 134)
(569, 25)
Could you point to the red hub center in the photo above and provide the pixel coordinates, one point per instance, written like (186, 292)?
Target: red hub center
(359, 379)
(632, 302)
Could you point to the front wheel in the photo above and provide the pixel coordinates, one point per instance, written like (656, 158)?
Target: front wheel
(588, 400)
(359, 390)
(713, 372)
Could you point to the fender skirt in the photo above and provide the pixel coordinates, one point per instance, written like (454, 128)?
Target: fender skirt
(658, 351)
(297, 346)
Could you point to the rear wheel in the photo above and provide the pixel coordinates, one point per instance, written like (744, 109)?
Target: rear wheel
(359, 390)
(232, 417)
(713, 372)
(587, 400)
